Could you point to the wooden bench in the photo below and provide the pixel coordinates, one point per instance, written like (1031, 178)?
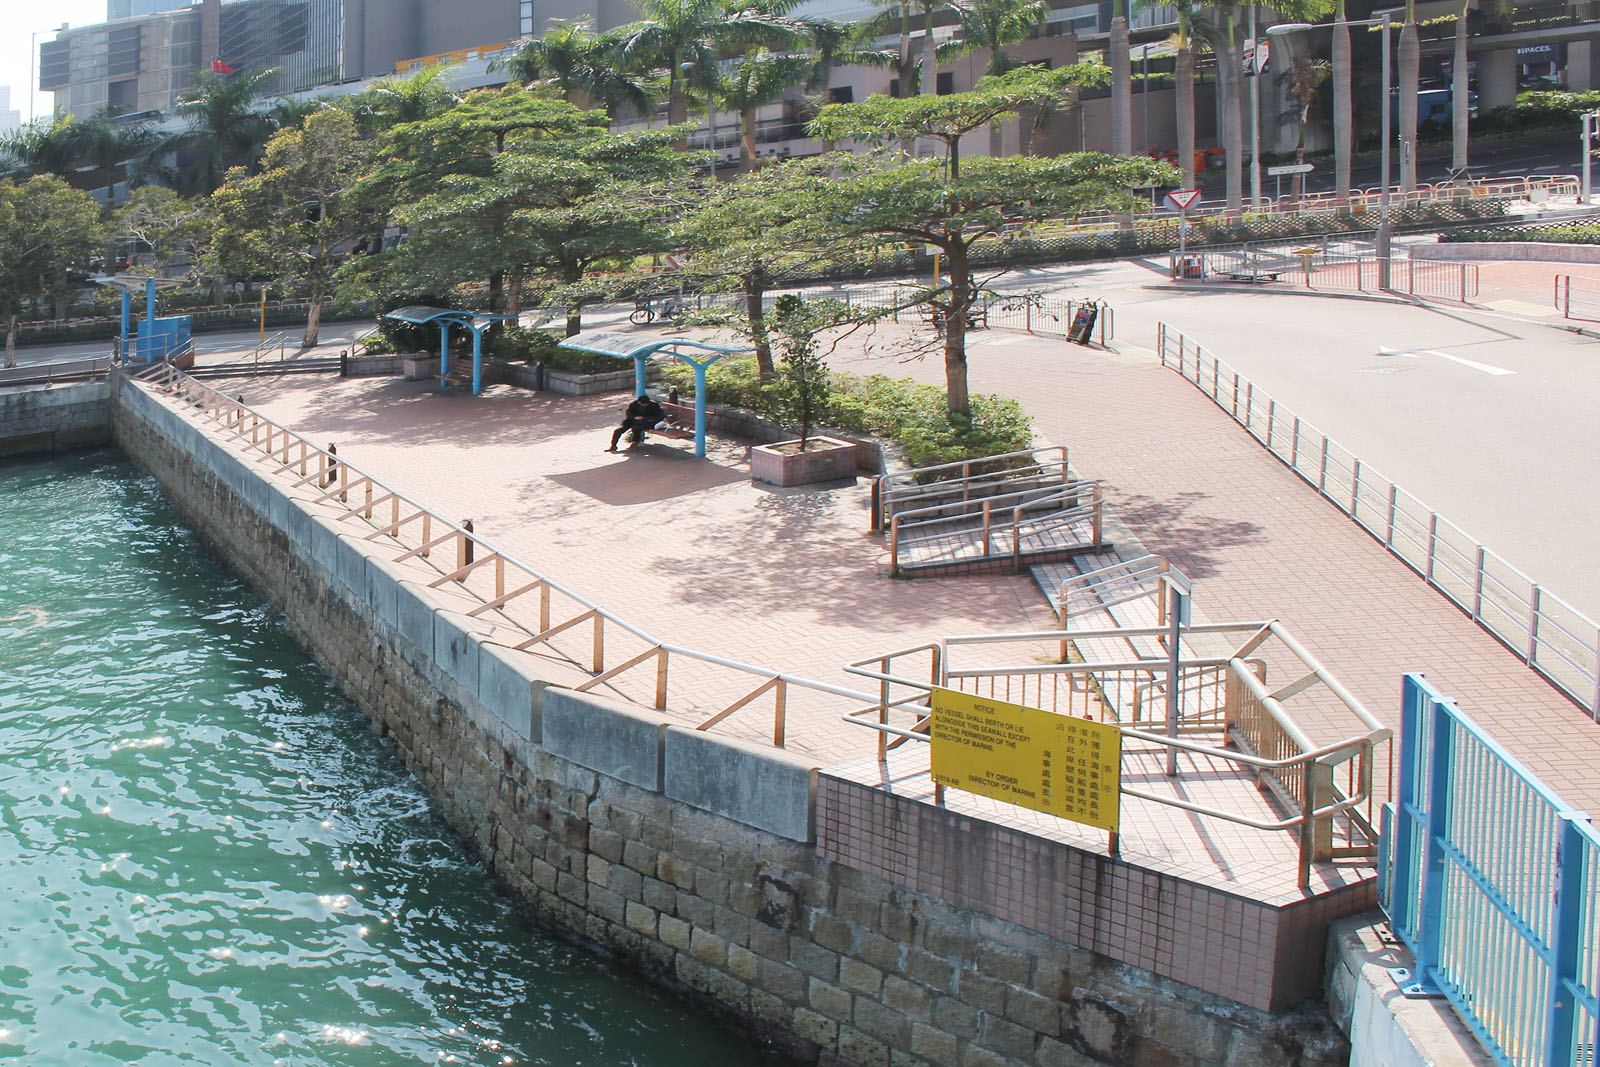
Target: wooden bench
(458, 375)
(977, 317)
(682, 415)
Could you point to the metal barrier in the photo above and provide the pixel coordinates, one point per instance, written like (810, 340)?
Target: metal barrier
(566, 630)
(1493, 882)
(966, 480)
(1577, 298)
(59, 371)
(1347, 263)
(998, 526)
(1548, 633)
(1204, 696)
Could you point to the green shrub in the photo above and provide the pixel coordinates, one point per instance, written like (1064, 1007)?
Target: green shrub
(524, 344)
(1539, 111)
(1565, 235)
(907, 412)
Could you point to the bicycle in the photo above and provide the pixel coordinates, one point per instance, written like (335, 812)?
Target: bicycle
(643, 312)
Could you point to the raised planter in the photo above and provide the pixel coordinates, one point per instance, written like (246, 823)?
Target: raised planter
(825, 459)
(420, 367)
(568, 383)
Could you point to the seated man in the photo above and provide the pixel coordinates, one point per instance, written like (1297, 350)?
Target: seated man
(641, 415)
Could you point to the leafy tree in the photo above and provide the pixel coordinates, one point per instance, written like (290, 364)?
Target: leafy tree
(881, 120)
(115, 150)
(803, 386)
(894, 17)
(744, 236)
(294, 219)
(48, 230)
(922, 203)
(166, 227)
(994, 25)
(42, 148)
(582, 64)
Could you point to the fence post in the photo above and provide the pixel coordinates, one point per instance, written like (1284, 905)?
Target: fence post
(1533, 624)
(1294, 445)
(1394, 500)
(1435, 823)
(1161, 340)
(1355, 490)
(1477, 585)
(1322, 475)
(1566, 943)
(1402, 845)
(1433, 543)
(1272, 412)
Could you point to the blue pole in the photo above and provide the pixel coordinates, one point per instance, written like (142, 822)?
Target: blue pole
(444, 349)
(127, 322)
(700, 408)
(150, 315)
(638, 372)
(1430, 915)
(1408, 804)
(477, 359)
(1566, 944)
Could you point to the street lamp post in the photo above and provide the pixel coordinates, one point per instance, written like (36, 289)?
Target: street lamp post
(1591, 125)
(1255, 112)
(1384, 234)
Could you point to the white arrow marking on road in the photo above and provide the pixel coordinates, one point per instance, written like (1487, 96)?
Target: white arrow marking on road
(1384, 350)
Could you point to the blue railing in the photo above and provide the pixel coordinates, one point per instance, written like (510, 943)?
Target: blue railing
(1492, 882)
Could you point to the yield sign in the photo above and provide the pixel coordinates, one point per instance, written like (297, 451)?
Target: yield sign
(1182, 198)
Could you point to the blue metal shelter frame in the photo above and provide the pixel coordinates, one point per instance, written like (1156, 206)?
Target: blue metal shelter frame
(630, 346)
(476, 321)
(127, 284)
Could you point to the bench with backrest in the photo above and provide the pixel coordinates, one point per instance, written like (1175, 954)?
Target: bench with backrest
(682, 428)
(977, 316)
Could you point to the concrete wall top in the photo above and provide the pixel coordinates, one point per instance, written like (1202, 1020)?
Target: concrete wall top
(749, 783)
(617, 739)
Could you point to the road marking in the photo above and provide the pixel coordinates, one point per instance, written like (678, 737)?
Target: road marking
(1384, 350)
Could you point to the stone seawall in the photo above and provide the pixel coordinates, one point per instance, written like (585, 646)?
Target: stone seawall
(50, 418)
(692, 856)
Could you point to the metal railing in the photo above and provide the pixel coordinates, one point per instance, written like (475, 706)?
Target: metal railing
(59, 371)
(1493, 882)
(1204, 696)
(999, 525)
(966, 480)
(563, 629)
(1547, 632)
(265, 346)
(1342, 265)
(1577, 298)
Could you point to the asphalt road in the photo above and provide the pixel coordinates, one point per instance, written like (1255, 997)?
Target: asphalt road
(332, 333)
(1488, 420)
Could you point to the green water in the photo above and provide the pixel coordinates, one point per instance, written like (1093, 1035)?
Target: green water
(207, 858)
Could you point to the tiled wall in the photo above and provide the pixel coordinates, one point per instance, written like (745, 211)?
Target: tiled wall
(1262, 954)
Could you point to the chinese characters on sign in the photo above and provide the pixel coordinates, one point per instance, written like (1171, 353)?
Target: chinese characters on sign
(1035, 759)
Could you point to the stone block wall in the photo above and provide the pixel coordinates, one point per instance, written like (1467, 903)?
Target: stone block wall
(50, 418)
(689, 855)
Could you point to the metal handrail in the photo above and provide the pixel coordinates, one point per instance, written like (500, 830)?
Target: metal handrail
(1287, 762)
(355, 494)
(58, 371)
(1548, 633)
(902, 524)
(887, 487)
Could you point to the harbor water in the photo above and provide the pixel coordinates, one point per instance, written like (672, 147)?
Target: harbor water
(207, 857)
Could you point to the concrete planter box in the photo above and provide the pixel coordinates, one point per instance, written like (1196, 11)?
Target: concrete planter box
(567, 383)
(419, 367)
(825, 459)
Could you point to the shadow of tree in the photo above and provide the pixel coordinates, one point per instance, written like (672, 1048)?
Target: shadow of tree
(1179, 529)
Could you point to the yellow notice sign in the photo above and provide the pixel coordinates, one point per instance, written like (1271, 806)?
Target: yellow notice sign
(1034, 759)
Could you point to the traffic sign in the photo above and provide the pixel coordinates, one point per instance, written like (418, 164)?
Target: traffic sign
(1291, 168)
(1182, 199)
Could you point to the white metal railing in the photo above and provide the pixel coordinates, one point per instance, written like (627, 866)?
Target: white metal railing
(61, 370)
(563, 627)
(966, 480)
(1577, 298)
(1221, 710)
(1547, 632)
(999, 525)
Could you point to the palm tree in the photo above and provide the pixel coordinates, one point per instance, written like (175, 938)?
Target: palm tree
(42, 148)
(687, 37)
(759, 78)
(895, 17)
(1458, 96)
(116, 150)
(1219, 26)
(929, 82)
(1305, 78)
(995, 24)
(1410, 64)
(392, 101)
(1343, 110)
(1183, 96)
(582, 64)
(1121, 81)
(225, 128)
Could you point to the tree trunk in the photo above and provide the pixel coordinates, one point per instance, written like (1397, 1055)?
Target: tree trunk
(313, 314)
(930, 64)
(514, 294)
(755, 292)
(572, 274)
(11, 341)
(747, 136)
(1459, 105)
(1121, 88)
(955, 329)
(1410, 62)
(677, 102)
(1343, 115)
(1229, 75)
(1183, 95)
(497, 287)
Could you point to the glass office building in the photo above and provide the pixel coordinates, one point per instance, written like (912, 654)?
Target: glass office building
(301, 39)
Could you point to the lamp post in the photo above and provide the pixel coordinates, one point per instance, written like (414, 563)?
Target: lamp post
(1255, 112)
(1384, 235)
(1591, 125)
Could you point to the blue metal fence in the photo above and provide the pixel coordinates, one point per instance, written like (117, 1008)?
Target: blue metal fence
(1492, 882)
